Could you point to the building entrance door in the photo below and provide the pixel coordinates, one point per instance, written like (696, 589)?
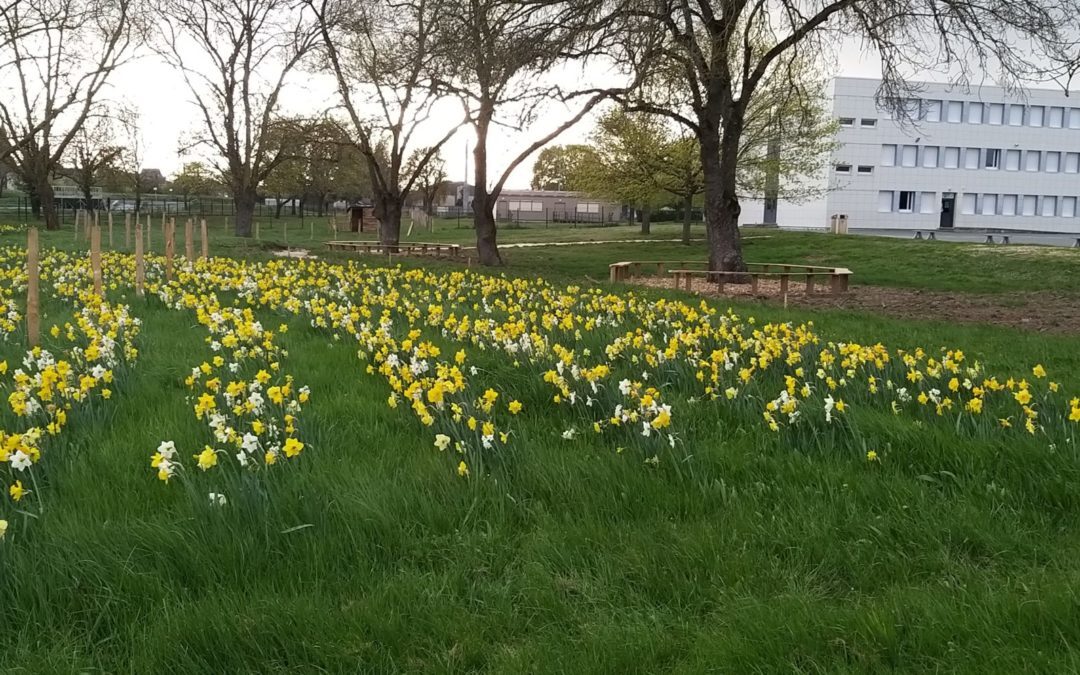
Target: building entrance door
(948, 208)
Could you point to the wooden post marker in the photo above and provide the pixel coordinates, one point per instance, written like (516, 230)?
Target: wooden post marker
(257, 237)
(140, 265)
(95, 259)
(169, 244)
(33, 314)
(205, 241)
(77, 212)
(110, 231)
(189, 241)
(149, 230)
(127, 230)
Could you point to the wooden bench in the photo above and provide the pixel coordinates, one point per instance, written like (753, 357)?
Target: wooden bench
(683, 273)
(411, 248)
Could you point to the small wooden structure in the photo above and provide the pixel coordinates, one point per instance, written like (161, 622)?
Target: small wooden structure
(411, 248)
(361, 216)
(683, 272)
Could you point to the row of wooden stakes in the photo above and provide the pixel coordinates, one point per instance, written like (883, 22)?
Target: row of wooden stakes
(88, 223)
(93, 232)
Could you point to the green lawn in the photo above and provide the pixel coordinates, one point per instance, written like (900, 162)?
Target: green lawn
(753, 554)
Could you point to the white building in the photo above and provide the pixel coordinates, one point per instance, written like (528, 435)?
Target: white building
(970, 159)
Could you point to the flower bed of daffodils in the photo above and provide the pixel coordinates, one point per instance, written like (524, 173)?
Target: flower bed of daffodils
(624, 368)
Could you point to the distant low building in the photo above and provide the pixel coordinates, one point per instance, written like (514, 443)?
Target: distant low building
(555, 206)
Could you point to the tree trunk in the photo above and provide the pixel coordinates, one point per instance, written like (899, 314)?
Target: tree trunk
(138, 199)
(35, 202)
(280, 204)
(244, 198)
(47, 205)
(688, 206)
(487, 248)
(388, 213)
(88, 198)
(646, 220)
(293, 205)
(718, 162)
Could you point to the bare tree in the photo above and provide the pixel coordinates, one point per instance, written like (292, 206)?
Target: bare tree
(719, 55)
(383, 56)
(431, 182)
(93, 151)
(236, 57)
(57, 55)
(132, 155)
(500, 51)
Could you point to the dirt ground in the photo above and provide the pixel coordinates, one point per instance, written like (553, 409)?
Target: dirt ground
(1043, 312)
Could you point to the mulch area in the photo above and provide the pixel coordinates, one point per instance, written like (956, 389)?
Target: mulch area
(1041, 312)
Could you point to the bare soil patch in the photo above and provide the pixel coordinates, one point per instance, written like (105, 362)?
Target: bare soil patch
(1041, 311)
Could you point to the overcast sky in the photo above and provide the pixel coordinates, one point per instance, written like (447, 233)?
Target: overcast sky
(161, 96)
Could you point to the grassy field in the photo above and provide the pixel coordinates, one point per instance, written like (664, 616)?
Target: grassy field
(746, 551)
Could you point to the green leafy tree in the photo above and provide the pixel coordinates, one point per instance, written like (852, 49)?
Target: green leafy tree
(558, 167)
(196, 179)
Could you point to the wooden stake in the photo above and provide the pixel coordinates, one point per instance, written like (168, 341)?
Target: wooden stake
(140, 265)
(149, 230)
(257, 237)
(169, 244)
(33, 315)
(205, 241)
(77, 212)
(110, 231)
(127, 230)
(313, 229)
(95, 259)
(189, 241)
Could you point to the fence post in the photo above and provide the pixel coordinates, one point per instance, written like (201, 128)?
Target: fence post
(189, 241)
(169, 244)
(95, 260)
(33, 315)
(140, 264)
(205, 242)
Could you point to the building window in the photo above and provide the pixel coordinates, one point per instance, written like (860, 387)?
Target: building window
(995, 113)
(1049, 206)
(866, 169)
(1008, 205)
(1016, 115)
(1068, 207)
(1053, 162)
(868, 123)
(1057, 118)
(1035, 116)
(993, 158)
(932, 111)
(530, 207)
(989, 205)
(1032, 163)
(1027, 207)
(906, 202)
(930, 156)
(955, 112)
(975, 113)
(910, 155)
(847, 121)
(967, 204)
(971, 158)
(952, 158)
(884, 201)
(888, 155)
(927, 202)
(1072, 162)
(592, 207)
(1012, 160)
(1074, 118)
(840, 168)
